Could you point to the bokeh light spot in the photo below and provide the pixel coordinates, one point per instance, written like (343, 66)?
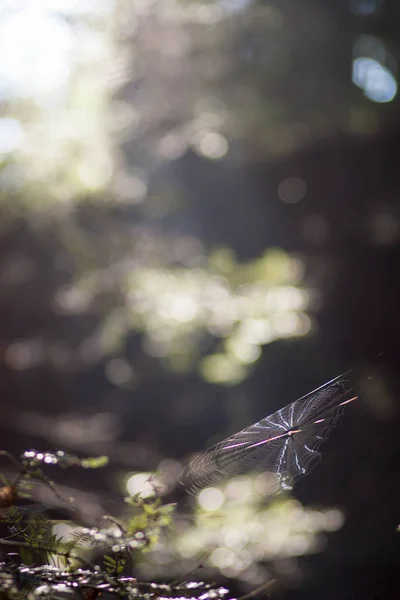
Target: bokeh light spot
(35, 53)
(211, 144)
(118, 371)
(240, 488)
(24, 354)
(221, 368)
(222, 558)
(211, 499)
(334, 519)
(377, 82)
(144, 484)
(292, 190)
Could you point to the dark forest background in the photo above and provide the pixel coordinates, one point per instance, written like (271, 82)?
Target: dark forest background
(199, 224)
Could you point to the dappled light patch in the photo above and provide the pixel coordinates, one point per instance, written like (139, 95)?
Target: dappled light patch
(242, 529)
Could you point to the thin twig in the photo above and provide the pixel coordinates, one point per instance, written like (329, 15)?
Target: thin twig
(21, 531)
(196, 568)
(12, 459)
(257, 590)
(5, 542)
(115, 521)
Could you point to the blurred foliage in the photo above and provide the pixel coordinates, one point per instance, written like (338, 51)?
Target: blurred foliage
(243, 531)
(131, 278)
(141, 83)
(217, 314)
(176, 308)
(55, 144)
(119, 88)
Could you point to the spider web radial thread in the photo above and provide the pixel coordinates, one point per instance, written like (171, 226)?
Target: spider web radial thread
(286, 442)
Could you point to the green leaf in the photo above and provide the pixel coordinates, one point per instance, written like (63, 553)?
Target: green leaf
(94, 462)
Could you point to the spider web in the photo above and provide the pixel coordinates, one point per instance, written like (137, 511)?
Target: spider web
(286, 443)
